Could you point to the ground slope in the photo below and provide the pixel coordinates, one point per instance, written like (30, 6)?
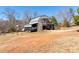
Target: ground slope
(66, 40)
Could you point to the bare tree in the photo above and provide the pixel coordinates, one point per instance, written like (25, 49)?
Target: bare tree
(27, 16)
(35, 14)
(65, 16)
(11, 16)
(3, 26)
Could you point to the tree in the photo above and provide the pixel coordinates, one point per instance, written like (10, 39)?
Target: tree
(76, 20)
(3, 26)
(78, 10)
(11, 16)
(71, 14)
(66, 23)
(27, 16)
(63, 17)
(67, 16)
(54, 21)
(35, 14)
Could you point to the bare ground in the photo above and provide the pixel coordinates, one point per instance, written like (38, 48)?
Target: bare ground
(66, 40)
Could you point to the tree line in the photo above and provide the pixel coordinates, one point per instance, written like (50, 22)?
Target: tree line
(69, 18)
(12, 24)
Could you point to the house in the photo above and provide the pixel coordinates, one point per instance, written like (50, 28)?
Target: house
(39, 24)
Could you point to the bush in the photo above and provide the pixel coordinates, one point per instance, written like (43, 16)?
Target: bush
(12, 29)
(66, 23)
(76, 19)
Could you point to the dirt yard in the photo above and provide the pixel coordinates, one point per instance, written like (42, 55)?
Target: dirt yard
(65, 40)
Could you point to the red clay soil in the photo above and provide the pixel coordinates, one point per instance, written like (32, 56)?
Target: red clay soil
(36, 42)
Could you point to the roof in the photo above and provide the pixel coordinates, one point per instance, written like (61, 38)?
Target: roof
(33, 21)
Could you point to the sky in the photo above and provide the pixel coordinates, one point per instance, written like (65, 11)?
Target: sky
(41, 10)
